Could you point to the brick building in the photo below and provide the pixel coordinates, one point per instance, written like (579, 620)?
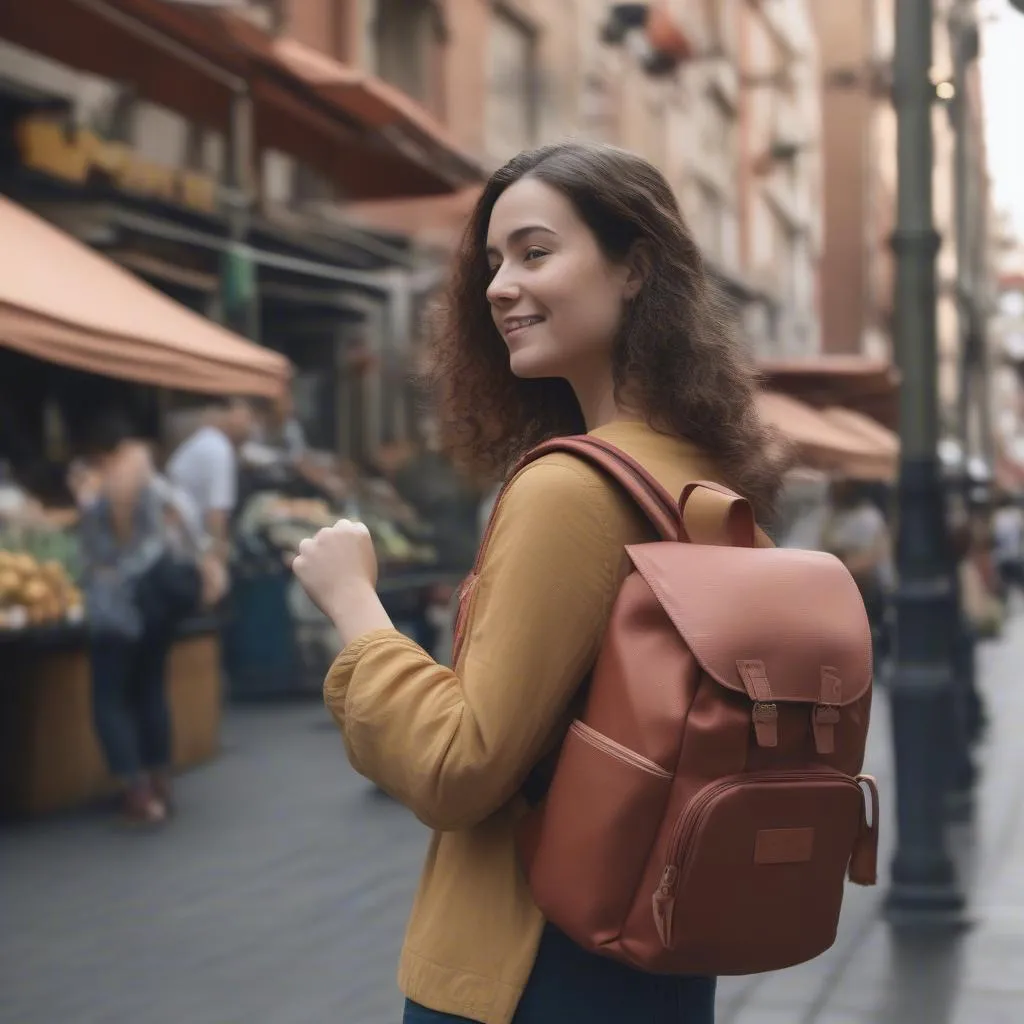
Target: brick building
(729, 110)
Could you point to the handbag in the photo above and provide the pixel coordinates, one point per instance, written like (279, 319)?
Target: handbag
(168, 591)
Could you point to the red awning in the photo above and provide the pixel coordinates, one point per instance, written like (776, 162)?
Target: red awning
(64, 303)
(868, 386)
(362, 135)
(394, 125)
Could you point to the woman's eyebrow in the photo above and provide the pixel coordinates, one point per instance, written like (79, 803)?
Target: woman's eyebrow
(520, 233)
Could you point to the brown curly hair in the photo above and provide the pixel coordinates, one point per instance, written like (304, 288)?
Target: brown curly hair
(686, 373)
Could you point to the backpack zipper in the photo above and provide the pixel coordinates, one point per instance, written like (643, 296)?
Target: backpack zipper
(618, 750)
(690, 821)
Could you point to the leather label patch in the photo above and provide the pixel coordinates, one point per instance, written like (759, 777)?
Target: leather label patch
(783, 845)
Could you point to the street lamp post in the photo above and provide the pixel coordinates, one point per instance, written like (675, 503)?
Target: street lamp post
(924, 888)
(964, 46)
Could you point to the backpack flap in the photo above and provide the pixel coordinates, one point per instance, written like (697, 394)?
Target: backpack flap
(777, 624)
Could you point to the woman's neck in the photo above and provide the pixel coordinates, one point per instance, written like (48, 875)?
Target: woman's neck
(600, 405)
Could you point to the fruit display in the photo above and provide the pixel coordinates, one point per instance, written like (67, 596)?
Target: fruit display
(271, 526)
(34, 593)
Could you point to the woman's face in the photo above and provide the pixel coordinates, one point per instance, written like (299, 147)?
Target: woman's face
(556, 299)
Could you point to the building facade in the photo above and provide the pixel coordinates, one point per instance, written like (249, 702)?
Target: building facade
(855, 39)
(723, 96)
(235, 213)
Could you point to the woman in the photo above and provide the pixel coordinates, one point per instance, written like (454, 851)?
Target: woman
(579, 303)
(130, 518)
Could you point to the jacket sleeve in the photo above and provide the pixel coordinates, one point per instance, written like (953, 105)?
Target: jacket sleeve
(454, 746)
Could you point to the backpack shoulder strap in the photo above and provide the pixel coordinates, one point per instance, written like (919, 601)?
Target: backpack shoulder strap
(653, 500)
(706, 513)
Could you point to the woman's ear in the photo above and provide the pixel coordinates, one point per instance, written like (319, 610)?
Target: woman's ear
(638, 268)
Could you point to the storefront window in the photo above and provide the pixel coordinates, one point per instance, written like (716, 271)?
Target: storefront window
(407, 37)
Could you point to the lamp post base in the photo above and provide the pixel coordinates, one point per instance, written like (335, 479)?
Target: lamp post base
(914, 906)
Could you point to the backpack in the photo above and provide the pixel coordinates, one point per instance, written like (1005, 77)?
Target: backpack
(705, 807)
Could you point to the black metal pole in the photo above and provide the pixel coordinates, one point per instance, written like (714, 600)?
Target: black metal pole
(924, 888)
(963, 46)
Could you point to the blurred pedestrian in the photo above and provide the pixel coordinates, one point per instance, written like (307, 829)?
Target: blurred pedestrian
(205, 467)
(579, 303)
(856, 532)
(141, 572)
(1008, 546)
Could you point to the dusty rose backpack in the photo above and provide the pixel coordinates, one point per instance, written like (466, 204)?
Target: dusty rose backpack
(705, 808)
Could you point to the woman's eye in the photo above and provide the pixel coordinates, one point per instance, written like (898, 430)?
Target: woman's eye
(534, 253)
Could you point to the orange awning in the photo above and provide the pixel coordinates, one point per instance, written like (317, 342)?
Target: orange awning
(857, 423)
(823, 443)
(64, 303)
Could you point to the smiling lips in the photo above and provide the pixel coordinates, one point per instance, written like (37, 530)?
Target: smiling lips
(515, 325)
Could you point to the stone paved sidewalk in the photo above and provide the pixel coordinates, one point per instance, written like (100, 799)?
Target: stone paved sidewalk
(279, 895)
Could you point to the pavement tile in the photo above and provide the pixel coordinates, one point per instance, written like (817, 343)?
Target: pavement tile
(987, 1009)
(764, 1015)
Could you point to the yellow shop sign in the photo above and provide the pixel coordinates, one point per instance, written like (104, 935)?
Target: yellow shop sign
(46, 145)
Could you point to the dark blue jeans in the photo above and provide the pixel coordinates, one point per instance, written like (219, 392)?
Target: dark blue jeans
(129, 704)
(569, 985)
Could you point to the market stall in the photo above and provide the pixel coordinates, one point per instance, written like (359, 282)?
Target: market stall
(92, 323)
(276, 642)
(49, 756)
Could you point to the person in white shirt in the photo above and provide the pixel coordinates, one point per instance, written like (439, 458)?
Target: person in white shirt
(205, 466)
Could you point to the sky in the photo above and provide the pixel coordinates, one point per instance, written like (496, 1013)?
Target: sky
(1003, 86)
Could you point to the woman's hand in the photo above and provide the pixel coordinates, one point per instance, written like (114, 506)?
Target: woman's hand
(337, 568)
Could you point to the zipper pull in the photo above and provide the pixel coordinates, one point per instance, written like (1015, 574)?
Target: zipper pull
(664, 902)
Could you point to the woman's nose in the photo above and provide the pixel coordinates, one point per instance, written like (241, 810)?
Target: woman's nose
(503, 288)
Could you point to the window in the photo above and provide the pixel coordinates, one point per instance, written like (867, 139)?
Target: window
(720, 20)
(407, 42)
(512, 85)
(121, 115)
(205, 151)
(719, 132)
(268, 14)
(716, 225)
(159, 135)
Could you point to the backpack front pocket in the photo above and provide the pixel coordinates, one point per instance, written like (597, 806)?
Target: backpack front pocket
(770, 850)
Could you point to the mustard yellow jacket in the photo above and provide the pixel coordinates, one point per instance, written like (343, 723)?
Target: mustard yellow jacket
(456, 746)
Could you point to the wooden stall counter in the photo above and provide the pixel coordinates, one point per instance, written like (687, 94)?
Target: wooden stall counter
(50, 759)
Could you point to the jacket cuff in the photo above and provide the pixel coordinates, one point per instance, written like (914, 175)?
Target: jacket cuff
(340, 671)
